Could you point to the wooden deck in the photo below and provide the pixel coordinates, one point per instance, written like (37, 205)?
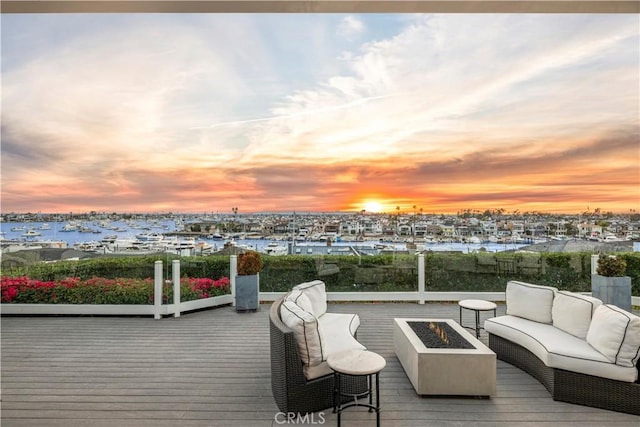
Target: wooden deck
(212, 368)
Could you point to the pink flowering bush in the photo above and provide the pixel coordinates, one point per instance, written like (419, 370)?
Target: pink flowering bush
(99, 290)
(204, 287)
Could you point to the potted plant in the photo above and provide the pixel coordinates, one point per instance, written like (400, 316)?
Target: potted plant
(248, 281)
(610, 284)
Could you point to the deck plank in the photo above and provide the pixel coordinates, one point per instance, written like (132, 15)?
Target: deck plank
(212, 368)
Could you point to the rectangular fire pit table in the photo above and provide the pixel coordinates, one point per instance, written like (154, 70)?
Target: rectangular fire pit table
(444, 371)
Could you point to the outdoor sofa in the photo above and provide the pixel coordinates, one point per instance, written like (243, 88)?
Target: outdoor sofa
(581, 350)
(302, 335)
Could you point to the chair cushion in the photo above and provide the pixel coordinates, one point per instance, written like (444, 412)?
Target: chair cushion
(337, 331)
(616, 334)
(317, 294)
(316, 371)
(305, 330)
(572, 312)
(530, 301)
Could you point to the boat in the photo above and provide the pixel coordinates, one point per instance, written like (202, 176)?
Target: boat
(45, 226)
(150, 237)
(274, 248)
(31, 233)
(91, 246)
(610, 237)
(85, 229)
(109, 239)
(69, 227)
(19, 228)
(204, 248)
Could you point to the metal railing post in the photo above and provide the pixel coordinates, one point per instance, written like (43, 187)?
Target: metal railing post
(157, 289)
(233, 271)
(421, 279)
(175, 271)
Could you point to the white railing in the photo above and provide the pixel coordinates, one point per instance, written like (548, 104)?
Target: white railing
(158, 309)
(421, 296)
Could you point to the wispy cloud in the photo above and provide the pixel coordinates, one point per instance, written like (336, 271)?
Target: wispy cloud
(295, 115)
(351, 27)
(318, 111)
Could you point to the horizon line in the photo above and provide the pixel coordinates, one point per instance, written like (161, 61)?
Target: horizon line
(516, 212)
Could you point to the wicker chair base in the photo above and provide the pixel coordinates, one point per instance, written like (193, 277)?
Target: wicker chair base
(598, 392)
(291, 390)
(571, 387)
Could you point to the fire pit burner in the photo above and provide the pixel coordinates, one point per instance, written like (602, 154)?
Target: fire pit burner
(439, 335)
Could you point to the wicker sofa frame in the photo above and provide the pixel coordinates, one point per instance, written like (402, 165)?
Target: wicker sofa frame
(291, 390)
(571, 387)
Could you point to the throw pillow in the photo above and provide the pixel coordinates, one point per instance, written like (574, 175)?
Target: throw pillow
(572, 312)
(530, 301)
(305, 330)
(302, 300)
(616, 334)
(317, 294)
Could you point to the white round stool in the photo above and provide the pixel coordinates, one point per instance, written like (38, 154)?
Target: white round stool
(356, 363)
(477, 305)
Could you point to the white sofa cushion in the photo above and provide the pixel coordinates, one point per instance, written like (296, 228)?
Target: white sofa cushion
(530, 301)
(572, 312)
(317, 294)
(616, 334)
(306, 331)
(301, 300)
(558, 349)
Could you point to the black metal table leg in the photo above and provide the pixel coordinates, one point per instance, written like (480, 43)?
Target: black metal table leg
(339, 398)
(378, 399)
(356, 363)
(370, 382)
(336, 392)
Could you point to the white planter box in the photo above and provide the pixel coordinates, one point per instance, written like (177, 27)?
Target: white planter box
(114, 309)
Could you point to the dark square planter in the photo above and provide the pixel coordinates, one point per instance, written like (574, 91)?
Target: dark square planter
(247, 292)
(612, 290)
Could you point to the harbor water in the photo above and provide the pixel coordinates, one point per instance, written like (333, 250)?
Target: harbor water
(76, 234)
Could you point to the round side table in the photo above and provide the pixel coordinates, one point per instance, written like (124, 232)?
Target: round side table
(356, 363)
(477, 305)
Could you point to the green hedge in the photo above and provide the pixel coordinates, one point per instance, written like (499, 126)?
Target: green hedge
(135, 267)
(476, 272)
(443, 271)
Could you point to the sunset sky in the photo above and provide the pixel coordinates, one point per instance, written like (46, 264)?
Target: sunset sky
(320, 112)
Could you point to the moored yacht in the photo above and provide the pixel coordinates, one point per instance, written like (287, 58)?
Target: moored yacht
(109, 239)
(31, 233)
(69, 227)
(274, 248)
(150, 237)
